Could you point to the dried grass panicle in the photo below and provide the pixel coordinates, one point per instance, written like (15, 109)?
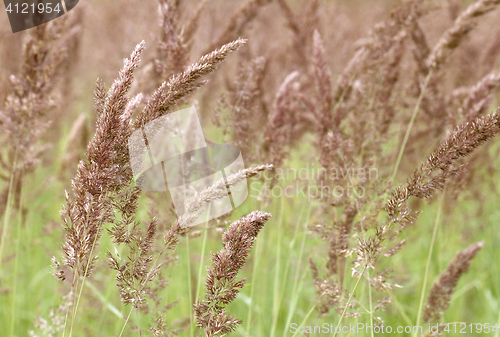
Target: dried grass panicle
(421, 49)
(437, 105)
(137, 270)
(452, 38)
(354, 140)
(479, 97)
(172, 49)
(460, 144)
(181, 85)
(221, 285)
(33, 97)
(302, 27)
(238, 22)
(283, 127)
(322, 76)
(193, 22)
(244, 103)
(105, 172)
(373, 50)
(175, 40)
(103, 182)
(174, 46)
(195, 206)
(440, 294)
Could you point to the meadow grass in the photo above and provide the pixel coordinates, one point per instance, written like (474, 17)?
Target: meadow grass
(396, 103)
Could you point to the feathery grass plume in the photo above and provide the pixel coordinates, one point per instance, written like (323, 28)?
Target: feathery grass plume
(245, 107)
(439, 167)
(106, 171)
(107, 174)
(238, 22)
(174, 41)
(302, 27)
(471, 103)
(440, 295)
(136, 272)
(373, 49)
(420, 49)
(322, 76)
(181, 85)
(221, 285)
(490, 52)
(282, 128)
(195, 205)
(33, 96)
(193, 22)
(347, 144)
(172, 51)
(365, 90)
(434, 102)
(137, 268)
(479, 97)
(452, 38)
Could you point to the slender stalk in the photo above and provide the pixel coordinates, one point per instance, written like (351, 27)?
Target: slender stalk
(190, 295)
(371, 303)
(202, 258)
(83, 283)
(410, 125)
(126, 321)
(253, 282)
(298, 271)
(349, 301)
(16, 263)
(6, 219)
(254, 275)
(305, 319)
(277, 278)
(429, 257)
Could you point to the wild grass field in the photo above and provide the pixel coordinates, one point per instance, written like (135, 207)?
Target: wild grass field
(368, 132)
